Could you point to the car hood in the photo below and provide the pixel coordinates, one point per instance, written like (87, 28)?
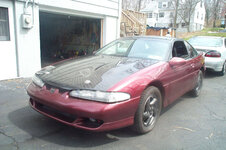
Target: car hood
(93, 72)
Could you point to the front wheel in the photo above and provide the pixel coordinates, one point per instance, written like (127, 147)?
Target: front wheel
(148, 110)
(197, 89)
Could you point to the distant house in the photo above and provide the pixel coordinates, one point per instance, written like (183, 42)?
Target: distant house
(160, 13)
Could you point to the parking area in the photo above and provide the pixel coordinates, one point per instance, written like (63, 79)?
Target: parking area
(188, 124)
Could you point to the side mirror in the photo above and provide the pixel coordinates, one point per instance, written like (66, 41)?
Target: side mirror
(177, 61)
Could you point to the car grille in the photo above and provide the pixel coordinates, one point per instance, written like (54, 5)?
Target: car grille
(65, 117)
(53, 112)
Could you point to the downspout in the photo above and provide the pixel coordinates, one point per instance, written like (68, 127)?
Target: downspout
(16, 38)
(33, 15)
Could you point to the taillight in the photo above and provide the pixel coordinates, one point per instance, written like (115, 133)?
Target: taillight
(213, 54)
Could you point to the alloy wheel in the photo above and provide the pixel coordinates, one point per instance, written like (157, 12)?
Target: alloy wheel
(199, 84)
(151, 111)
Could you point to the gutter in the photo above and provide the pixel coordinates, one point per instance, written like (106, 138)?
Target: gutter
(16, 38)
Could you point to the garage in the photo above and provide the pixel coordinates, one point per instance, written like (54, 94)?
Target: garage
(65, 36)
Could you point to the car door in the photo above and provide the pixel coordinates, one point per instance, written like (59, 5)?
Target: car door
(194, 62)
(179, 77)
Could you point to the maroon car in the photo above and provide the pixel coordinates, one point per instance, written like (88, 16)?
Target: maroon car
(126, 83)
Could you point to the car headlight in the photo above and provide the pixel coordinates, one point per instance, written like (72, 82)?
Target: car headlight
(38, 81)
(107, 97)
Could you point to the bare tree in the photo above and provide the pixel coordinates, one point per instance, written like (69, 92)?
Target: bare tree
(208, 8)
(215, 11)
(213, 8)
(186, 10)
(136, 5)
(124, 4)
(176, 11)
(139, 4)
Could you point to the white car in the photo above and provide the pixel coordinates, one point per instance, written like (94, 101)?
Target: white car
(214, 49)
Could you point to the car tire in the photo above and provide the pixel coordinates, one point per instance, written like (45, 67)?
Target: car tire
(222, 72)
(148, 110)
(197, 89)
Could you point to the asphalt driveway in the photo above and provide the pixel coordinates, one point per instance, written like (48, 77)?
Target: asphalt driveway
(188, 124)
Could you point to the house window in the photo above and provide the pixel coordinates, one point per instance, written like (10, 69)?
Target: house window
(184, 24)
(164, 5)
(4, 24)
(160, 5)
(171, 14)
(169, 4)
(202, 17)
(201, 4)
(149, 15)
(156, 16)
(161, 14)
(197, 15)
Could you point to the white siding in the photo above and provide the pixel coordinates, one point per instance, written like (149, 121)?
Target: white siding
(110, 32)
(28, 44)
(7, 48)
(85, 7)
(198, 22)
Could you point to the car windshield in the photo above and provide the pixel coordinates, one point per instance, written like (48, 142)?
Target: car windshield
(137, 48)
(206, 41)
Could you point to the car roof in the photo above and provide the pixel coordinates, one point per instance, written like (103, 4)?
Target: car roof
(216, 37)
(152, 37)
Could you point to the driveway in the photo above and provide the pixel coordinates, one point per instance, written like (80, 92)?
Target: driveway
(188, 124)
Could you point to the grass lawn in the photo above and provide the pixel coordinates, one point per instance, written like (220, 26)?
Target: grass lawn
(204, 32)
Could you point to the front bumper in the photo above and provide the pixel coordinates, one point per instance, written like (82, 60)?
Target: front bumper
(215, 64)
(82, 113)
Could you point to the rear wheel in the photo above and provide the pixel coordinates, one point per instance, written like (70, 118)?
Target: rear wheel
(197, 89)
(148, 111)
(223, 70)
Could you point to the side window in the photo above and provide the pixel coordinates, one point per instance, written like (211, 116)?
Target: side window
(192, 52)
(180, 50)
